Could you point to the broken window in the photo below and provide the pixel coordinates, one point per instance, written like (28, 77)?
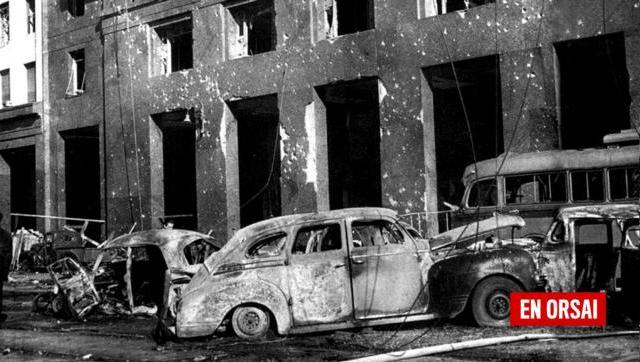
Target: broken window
(76, 7)
(529, 189)
(375, 233)
(632, 238)
(31, 82)
(315, 239)
(171, 45)
(432, 7)
(268, 246)
(347, 16)
(5, 84)
(198, 251)
(77, 74)
(251, 28)
(587, 185)
(483, 193)
(4, 24)
(624, 183)
(31, 16)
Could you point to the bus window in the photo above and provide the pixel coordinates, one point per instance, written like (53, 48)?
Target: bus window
(624, 183)
(483, 193)
(588, 185)
(552, 187)
(520, 189)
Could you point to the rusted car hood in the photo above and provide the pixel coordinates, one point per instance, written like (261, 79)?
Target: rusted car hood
(464, 233)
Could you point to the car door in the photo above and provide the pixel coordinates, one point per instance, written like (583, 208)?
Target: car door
(558, 258)
(385, 270)
(630, 268)
(318, 276)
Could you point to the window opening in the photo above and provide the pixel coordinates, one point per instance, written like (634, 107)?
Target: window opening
(198, 251)
(252, 28)
(624, 183)
(77, 76)
(76, 7)
(267, 247)
(598, 102)
(172, 45)
(5, 80)
(31, 16)
(484, 193)
(317, 239)
(31, 82)
(588, 185)
(375, 233)
(258, 157)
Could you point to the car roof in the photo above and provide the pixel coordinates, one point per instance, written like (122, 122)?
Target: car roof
(606, 211)
(159, 237)
(289, 220)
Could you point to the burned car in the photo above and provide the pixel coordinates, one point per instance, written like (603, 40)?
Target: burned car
(595, 248)
(141, 267)
(341, 269)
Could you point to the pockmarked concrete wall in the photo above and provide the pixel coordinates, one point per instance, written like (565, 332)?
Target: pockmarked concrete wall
(122, 95)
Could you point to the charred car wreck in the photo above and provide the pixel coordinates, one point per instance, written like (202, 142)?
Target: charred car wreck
(348, 268)
(130, 274)
(595, 248)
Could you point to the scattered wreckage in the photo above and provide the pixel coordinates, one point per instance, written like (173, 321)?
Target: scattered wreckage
(349, 268)
(129, 275)
(36, 251)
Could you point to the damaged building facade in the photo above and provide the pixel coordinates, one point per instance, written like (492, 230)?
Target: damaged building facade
(217, 114)
(23, 118)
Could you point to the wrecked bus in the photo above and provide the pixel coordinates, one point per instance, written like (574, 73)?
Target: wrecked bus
(348, 268)
(536, 184)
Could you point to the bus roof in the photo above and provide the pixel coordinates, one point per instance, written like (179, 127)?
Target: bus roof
(553, 160)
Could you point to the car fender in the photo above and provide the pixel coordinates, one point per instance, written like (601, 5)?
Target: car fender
(454, 279)
(202, 310)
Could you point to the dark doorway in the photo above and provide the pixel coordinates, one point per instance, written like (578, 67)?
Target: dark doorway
(179, 168)
(594, 89)
(22, 165)
(353, 142)
(82, 176)
(479, 83)
(258, 157)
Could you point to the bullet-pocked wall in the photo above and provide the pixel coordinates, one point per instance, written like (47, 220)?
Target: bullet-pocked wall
(74, 98)
(302, 51)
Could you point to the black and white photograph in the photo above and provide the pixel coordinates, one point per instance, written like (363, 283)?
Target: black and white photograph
(323, 180)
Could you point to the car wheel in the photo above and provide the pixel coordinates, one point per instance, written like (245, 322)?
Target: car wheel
(491, 305)
(250, 322)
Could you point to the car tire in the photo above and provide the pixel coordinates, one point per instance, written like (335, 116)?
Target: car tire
(250, 322)
(491, 305)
